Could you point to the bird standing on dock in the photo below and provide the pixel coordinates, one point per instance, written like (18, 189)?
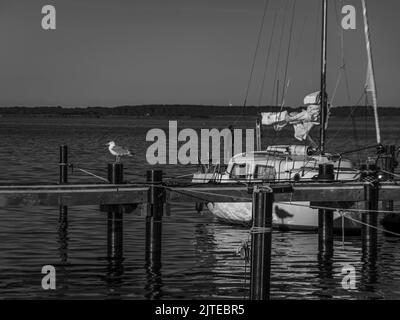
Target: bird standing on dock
(118, 151)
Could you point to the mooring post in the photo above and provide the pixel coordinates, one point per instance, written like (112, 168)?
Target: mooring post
(156, 193)
(370, 217)
(115, 217)
(389, 164)
(261, 235)
(325, 216)
(369, 233)
(115, 173)
(258, 134)
(63, 164)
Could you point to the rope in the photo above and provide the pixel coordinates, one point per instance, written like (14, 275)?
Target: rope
(371, 226)
(92, 174)
(391, 173)
(340, 209)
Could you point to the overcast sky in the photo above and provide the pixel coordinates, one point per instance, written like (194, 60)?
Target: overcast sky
(107, 53)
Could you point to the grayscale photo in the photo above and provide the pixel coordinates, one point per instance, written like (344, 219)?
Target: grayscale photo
(200, 154)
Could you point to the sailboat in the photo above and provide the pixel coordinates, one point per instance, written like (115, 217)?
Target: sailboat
(292, 163)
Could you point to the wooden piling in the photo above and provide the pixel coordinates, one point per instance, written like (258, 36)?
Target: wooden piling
(369, 233)
(115, 173)
(261, 235)
(115, 217)
(199, 207)
(325, 216)
(389, 164)
(63, 164)
(258, 134)
(156, 194)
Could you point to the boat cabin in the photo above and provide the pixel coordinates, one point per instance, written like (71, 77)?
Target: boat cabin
(280, 163)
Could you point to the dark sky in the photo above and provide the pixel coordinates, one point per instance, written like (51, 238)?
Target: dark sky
(120, 52)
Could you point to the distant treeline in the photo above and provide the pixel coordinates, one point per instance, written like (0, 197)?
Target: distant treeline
(195, 111)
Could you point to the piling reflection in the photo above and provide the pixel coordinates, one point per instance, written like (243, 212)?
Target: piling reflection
(153, 258)
(62, 269)
(369, 272)
(325, 272)
(63, 234)
(325, 265)
(115, 268)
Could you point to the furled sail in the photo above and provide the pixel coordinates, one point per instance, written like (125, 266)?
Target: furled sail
(370, 81)
(302, 121)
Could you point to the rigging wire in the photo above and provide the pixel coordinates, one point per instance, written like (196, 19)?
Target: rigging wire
(274, 136)
(314, 60)
(253, 62)
(279, 49)
(366, 118)
(343, 71)
(344, 124)
(286, 84)
(288, 48)
(255, 53)
(267, 60)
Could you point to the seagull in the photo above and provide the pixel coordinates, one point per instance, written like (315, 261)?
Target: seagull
(117, 151)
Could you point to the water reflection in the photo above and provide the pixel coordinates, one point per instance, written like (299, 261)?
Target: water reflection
(369, 270)
(63, 234)
(62, 268)
(153, 258)
(115, 257)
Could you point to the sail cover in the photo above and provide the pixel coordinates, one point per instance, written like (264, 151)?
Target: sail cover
(302, 121)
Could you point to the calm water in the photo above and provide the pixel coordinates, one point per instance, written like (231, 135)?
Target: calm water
(199, 258)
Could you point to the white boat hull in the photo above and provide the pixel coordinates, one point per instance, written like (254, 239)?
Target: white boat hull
(278, 163)
(295, 216)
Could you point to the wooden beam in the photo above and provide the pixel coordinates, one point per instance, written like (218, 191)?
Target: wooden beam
(324, 192)
(315, 192)
(71, 195)
(95, 194)
(389, 191)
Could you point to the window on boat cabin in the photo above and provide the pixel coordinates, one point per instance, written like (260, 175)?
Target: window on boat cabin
(264, 172)
(239, 171)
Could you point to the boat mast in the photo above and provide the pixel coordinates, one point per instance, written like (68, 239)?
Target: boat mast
(323, 97)
(370, 82)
